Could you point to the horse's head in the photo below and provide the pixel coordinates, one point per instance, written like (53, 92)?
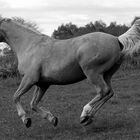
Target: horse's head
(3, 36)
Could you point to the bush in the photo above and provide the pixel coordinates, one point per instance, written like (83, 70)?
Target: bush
(8, 67)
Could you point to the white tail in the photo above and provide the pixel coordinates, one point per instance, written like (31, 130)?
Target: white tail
(131, 40)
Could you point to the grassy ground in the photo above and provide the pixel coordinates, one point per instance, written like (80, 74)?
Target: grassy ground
(119, 119)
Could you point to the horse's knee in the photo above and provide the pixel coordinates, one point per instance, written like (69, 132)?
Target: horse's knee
(106, 91)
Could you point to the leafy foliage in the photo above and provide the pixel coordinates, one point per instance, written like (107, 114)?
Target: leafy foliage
(71, 30)
(8, 61)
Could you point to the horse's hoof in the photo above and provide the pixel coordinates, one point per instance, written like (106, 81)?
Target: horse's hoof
(83, 119)
(86, 120)
(28, 122)
(55, 121)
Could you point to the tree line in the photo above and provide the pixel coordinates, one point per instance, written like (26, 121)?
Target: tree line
(70, 30)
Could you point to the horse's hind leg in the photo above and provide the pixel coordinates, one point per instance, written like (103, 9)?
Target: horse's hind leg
(102, 90)
(107, 78)
(46, 114)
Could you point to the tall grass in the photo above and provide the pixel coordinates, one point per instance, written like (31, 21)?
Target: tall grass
(131, 63)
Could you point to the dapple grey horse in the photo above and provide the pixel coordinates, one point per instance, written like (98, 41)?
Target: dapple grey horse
(45, 61)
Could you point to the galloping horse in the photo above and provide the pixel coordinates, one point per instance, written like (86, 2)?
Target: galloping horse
(45, 61)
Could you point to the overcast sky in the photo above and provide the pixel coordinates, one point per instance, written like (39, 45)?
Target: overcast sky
(49, 14)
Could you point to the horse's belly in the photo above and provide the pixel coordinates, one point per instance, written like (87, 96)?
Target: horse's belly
(66, 75)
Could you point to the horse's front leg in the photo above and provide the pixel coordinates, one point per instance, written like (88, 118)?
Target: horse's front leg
(46, 114)
(27, 82)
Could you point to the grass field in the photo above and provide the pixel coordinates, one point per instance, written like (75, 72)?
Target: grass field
(119, 119)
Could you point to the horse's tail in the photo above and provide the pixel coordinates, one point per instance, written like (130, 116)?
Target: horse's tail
(130, 41)
(123, 44)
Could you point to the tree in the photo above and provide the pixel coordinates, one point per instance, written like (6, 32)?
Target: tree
(90, 27)
(65, 31)
(116, 29)
(100, 25)
(113, 24)
(71, 30)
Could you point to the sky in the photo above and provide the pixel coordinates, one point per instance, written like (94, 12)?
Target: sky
(49, 14)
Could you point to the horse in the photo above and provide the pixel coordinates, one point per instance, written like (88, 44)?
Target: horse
(44, 61)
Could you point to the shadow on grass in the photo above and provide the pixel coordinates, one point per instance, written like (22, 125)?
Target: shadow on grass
(69, 128)
(111, 124)
(114, 102)
(125, 96)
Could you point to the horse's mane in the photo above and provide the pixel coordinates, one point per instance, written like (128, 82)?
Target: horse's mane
(131, 40)
(27, 24)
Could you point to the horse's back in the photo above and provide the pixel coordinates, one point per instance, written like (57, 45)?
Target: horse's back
(99, 51)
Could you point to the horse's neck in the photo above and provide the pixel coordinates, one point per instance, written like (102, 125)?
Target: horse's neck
(19, 38)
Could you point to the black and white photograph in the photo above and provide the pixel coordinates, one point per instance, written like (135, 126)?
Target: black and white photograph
(69, 70)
